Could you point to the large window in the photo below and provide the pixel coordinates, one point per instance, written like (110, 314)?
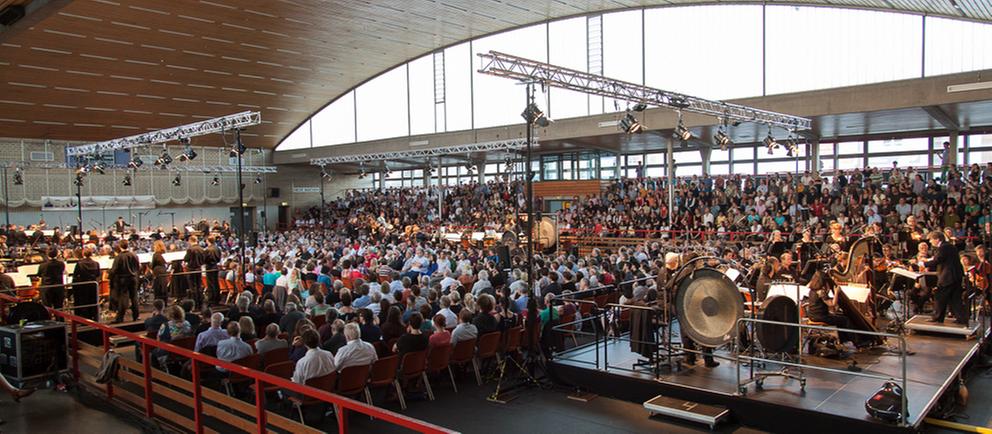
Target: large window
(722, 51)
(815, 48)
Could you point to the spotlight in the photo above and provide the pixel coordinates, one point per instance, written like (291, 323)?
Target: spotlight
(639, 107)
(188, 152)
(135, 163)
(127, 180)
(78, 182)
(791, 148)
(238, 148)
(82, 171)
(18, 176)
(214, 182)
(533, 114)
(98, 168)
(682, 133)
(770, 143)
(258, 179)
(324, 174)
(723, 140)
(177, 181)
(164, 160)
(630, 125)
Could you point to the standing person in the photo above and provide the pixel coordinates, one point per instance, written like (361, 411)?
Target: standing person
(194, 260)
(950, 275)
(160, 271)
(211, 258)
(124, 276)
(52, 274)
(87, 294)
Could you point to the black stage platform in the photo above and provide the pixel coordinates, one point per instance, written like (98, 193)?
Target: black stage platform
(831, 402)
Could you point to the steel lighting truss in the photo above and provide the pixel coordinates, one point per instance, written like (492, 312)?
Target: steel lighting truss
(210, 126)
(148, 168)
(502, 145)
(519, 68)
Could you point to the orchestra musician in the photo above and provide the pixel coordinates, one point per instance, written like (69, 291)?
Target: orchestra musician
(787, 268)
(124, 279)
(194, 260)
(822, 307)
(86, 295)
(160, 271)
(914, 236)
(837, 239)
(212, 257)
(52, 273)
(950, 274)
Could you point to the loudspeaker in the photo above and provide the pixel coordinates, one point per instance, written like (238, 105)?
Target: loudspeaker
(274, 193)
(504, 256)
(11, 14)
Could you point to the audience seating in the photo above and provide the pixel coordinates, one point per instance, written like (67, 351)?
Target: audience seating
(325, 382)
(463, 354)
(281, 369)
(383, 373)
(253, 361)
(352, 380)
(413, 368)
(278, 355)
(488, 344)
(437, 360)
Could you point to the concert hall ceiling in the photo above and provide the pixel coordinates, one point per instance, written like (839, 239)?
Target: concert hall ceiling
(99, 69)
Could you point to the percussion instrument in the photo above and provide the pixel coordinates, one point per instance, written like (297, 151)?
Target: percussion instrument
(788, 290)
(708, 306)
(779, 338)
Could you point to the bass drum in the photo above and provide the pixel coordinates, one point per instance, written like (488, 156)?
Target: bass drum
(779, 338)
(708, 305)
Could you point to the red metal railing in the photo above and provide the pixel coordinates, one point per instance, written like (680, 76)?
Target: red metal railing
(343, 404)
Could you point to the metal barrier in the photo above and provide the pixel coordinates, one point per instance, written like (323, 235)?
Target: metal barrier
(344, 405)
(750, 359)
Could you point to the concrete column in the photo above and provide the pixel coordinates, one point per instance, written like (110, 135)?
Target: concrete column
(814, 156)
(480, 166)
(670, 168)
(619, 167)
(952, 156)
(427, 175)
(705, 152)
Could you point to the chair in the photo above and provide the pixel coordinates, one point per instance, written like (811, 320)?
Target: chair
(253, 362)
(488, 344)
(383, 373)
(187, 343)
(324, 382)
(462, 354)
(352, 380)
(319, 320)
(601, 300)
(437, 361)
(414, 366)
(277, 355)
(281, 370)
(569, 329)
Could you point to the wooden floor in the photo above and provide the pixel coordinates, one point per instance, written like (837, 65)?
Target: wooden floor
(935, 364)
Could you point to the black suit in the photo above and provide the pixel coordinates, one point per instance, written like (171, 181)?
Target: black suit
(211, 258)
(194, 262)
(51, 273)
(950, 274)
(124, 279)
(87, 270)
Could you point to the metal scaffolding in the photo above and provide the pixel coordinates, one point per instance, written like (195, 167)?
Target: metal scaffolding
(502, 145)
(210, 126)
(519, 68)
(146, 168)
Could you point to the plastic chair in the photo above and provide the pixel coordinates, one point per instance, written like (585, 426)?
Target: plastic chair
(437, 360)
(383, 373)
(414, 366)
(488, 344)
(569, 329)
(281, 370)
(352, 380)
(324, 382)
(253, 362)
(277, 355)
(462, 354)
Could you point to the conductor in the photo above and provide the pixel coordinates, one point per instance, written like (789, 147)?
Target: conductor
(124, 276)
(950, 275)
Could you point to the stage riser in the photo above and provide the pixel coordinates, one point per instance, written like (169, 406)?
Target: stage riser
(747, 412)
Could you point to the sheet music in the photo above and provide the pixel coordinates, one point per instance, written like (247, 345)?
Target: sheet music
(788, 290)
(28, 270)
(20, 279)
(905, 273)
(732, 273)
(856, 293)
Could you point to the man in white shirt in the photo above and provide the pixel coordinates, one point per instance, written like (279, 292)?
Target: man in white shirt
(447, 281)
(316, 362)
(233, 348)
(357, 352)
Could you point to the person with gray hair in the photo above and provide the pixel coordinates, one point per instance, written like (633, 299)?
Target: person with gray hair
(212, 335)
(271, 341)
(356, 352)
(482, 285)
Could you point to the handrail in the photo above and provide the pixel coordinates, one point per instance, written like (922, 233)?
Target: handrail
(259, 377)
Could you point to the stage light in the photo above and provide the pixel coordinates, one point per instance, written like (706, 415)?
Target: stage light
(18, 176)
(770, 143)
(78, 182)
(135, 163)
(682, 133)
(533, 114)
(723, 140)
(791, 148)
(639, 107)
(188, 153)
(164, 160)
(323, 173)
(177, 181)
(127, 180)
(215, 182)
(258, 179)
(238, 148)
(98, 168)
(82, 171)
(630, 125)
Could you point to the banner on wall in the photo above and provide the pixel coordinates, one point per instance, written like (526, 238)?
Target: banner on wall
(297, 189)
(91, 203)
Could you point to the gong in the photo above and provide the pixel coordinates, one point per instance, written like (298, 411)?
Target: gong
(708, 306)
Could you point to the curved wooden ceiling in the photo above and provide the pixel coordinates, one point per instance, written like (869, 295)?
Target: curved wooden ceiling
(99, 69)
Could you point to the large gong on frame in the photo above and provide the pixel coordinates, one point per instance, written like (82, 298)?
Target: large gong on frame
(708, 306)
